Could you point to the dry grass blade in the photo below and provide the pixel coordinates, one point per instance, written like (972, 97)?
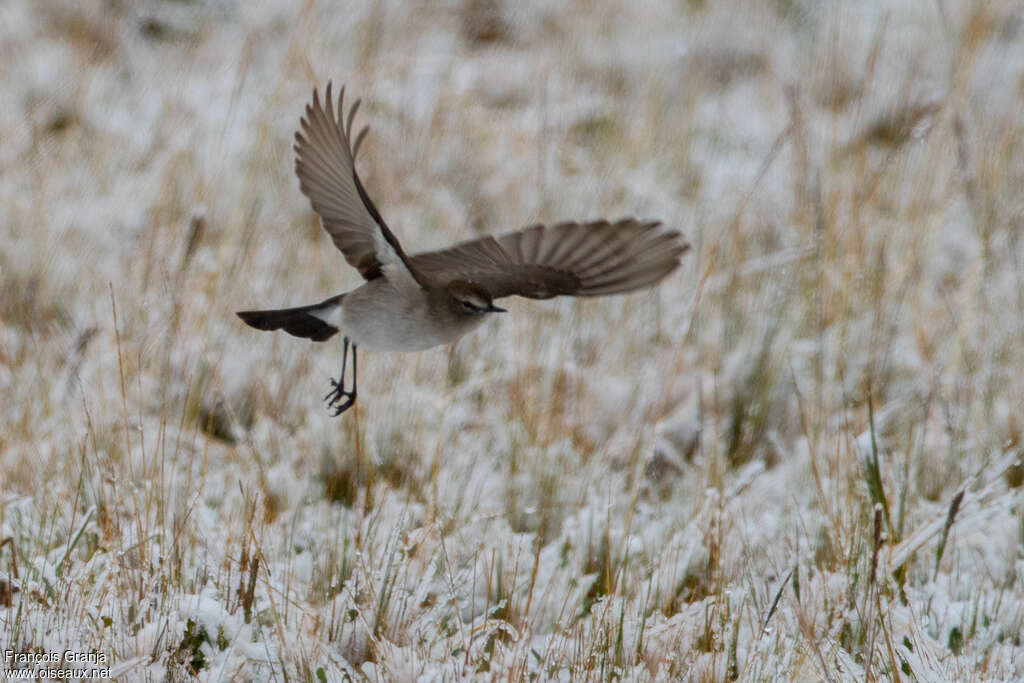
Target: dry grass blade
(823, 396)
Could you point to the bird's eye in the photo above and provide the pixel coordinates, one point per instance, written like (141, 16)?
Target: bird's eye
(468, 306)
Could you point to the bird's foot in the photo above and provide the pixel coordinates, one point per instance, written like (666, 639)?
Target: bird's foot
(339, 400)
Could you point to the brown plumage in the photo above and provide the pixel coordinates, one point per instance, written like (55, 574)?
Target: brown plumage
(411, 303)
(325, 164)
(539, 262)
(579, 259)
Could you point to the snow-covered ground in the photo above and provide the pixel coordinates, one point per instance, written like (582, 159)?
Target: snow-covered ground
(799, 458)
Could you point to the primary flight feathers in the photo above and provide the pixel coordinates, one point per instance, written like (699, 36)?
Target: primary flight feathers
(412, 303)
(325, 164)
(580, 259)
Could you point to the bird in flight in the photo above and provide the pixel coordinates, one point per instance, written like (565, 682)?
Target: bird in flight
(415, 302)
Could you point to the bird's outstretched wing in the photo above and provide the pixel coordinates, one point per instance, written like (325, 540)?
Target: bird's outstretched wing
(325, 163)
(577, 259)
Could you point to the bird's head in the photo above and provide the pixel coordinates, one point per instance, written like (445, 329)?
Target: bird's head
(470, 298)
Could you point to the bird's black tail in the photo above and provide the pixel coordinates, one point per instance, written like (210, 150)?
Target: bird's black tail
(299, 321)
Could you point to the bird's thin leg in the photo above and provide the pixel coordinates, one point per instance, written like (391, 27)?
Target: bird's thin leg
(338, 393)
(355, 370)
(339, 386)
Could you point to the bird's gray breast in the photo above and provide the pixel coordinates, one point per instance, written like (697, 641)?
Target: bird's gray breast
(381, 316)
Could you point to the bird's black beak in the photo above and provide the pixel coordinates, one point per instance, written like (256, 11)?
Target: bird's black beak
(494, 309)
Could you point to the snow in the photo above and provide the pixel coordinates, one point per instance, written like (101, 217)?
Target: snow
(581, 489)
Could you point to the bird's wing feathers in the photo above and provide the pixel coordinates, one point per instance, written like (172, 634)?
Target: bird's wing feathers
(580, 259)
(325, 163)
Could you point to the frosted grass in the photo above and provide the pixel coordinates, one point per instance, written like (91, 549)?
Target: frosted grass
(748, 473)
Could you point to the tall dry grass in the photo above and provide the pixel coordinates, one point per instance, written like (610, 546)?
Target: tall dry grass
(798, 458)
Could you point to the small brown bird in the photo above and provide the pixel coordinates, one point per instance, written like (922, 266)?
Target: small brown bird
(411, 303)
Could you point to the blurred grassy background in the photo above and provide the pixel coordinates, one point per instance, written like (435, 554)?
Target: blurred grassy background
(798, 458)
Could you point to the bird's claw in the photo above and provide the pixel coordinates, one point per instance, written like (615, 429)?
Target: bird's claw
(338, 393)
(336, 388)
